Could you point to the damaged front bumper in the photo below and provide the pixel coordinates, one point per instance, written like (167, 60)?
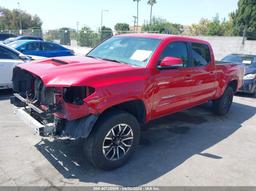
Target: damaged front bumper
(56, 111)
(44, 123)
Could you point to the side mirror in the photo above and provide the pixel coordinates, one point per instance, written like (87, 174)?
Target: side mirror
(22, 49)
(24, 57)
(170, 62)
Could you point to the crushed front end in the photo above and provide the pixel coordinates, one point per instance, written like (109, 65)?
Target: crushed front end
(61, 111)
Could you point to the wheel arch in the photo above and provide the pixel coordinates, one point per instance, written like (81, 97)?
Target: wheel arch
(135, 107)
(233, 84)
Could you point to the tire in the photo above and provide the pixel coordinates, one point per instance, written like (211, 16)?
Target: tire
(113, 141)
(222, 105)
(254, 93)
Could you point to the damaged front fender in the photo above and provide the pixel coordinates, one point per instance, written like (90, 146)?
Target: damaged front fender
(80, 128)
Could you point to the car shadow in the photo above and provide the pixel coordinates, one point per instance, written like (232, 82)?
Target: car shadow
(5, 94)
(168, 143)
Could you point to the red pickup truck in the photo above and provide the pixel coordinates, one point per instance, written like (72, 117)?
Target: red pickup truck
(121, 85)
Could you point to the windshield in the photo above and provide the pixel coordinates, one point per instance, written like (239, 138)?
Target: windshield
(129, 50)
(232, 58)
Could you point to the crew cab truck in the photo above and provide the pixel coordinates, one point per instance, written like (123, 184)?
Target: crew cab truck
(118, 87)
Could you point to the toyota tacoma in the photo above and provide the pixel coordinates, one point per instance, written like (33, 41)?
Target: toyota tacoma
(118, 87)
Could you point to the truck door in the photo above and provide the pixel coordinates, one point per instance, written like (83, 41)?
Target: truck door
(173, 86)
(203, 74)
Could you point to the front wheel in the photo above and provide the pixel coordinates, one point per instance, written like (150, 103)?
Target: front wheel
(222, 105)
(113, 141)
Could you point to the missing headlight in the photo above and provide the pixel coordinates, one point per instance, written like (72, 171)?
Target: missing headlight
(75, 95)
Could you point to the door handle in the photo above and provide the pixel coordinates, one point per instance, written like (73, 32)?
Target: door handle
(187, 77)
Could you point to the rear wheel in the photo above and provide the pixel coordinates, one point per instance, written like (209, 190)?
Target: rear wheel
(222, 105)
(113, 141)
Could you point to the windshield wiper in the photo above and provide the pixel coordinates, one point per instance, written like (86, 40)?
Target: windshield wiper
(91, 56)
(113, 60)
(107, 59)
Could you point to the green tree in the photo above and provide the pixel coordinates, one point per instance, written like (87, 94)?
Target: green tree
(88, 38)
(12, 19)
(106, 33)
(215, 27)
(151, 3)
(122, 27)
(244, 18)
(201, 28)
(227, 26)
(159, 25)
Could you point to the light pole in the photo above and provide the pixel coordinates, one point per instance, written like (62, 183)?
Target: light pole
(137, 14)
(20, 17)
(77, 30)
(77, 26)
(101, 20)
(134, 22)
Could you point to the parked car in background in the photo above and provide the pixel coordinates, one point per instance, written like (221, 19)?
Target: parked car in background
(41, 48)
(9, 58)
(122, 84)
(13, 39)
(251, 35)
(249, 61)
(4, 36)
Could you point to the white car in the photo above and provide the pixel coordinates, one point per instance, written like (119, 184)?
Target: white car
(9, 58)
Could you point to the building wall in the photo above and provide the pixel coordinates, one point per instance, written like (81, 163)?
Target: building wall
(227, 45)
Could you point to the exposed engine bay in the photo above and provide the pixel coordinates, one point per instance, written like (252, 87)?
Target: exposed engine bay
(47, 105)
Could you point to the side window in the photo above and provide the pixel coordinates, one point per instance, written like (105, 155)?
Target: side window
(7, 54)
(49, 47)
(200, 54)
(178, 50)
(33, 46)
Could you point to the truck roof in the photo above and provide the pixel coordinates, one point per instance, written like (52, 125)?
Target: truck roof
(164, 36)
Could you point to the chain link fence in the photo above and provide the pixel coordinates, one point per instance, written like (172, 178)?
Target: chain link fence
(71, 37)
(29, 32)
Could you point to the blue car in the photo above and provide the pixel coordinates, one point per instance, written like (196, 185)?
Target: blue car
(249, 61)
(41, 48)
(12, 39)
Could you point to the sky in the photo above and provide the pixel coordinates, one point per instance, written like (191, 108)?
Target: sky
(66, 13)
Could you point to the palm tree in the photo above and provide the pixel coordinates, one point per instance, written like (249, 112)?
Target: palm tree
(151, 3)
(137, 12)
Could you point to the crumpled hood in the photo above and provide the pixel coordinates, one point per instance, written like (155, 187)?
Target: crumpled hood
(81, 71)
